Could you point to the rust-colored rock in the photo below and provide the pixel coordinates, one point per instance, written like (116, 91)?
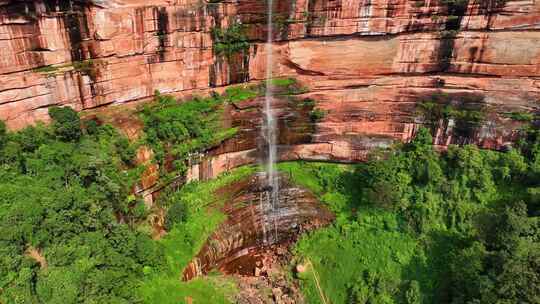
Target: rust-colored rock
(252, 226)
(366, 63)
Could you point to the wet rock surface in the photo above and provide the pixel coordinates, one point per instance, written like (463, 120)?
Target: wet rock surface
(255, 237)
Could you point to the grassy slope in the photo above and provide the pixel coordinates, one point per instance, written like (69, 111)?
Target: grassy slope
(183, 243)
(343, 252)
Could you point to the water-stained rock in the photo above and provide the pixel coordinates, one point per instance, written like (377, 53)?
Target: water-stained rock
(254, 226)
(378, 52)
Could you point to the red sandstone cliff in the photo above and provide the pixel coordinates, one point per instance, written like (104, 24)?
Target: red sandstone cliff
(366, 63)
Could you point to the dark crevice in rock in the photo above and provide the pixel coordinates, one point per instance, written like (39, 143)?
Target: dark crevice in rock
(456, 12)
(310, 17)
(162, 22)
(290, 64)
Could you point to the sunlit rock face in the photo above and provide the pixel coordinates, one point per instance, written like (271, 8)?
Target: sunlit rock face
(368, 64)
(252, 226)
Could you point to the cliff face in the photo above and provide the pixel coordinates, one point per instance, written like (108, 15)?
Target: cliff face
(367, 64)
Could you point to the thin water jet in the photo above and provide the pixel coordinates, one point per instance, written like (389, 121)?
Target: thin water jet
(270, 131)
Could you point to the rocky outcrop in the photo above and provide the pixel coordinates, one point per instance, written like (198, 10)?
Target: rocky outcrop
(368, 64)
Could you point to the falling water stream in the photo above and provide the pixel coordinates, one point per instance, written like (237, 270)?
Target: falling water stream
(270, 135)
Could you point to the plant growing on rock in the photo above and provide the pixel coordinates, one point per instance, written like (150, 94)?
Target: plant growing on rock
(67, 124)
(89, 67)
(317, 115)
(231, 40)
(467, 111)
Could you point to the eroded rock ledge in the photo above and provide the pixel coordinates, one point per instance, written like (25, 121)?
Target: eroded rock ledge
(240, 244)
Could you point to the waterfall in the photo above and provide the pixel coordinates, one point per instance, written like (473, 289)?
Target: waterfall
(269, 129)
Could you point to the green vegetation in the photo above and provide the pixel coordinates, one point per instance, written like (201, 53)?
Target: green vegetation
(281, 86)
(72, 232)
(414, 226)
(66, 123)
(87, 67)
(231, 40)
(467, 111)
(67, 215)
(286, 86)
(419, 4)
(521, 116)
(364, 254)
(283, 82)
(179, 129)
(200, 218)
(175, 130)
(45, 69)
(317, 114)
(242, 93)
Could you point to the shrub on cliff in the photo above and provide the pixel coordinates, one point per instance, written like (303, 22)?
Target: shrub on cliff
(317, 115)
(67, 124)
(231, 40)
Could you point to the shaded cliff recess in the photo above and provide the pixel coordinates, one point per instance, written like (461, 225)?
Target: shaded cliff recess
(466, 118)
(456, 13)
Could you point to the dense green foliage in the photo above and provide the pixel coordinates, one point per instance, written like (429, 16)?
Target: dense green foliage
(67, 124)
(72, 232)
(316, 115)
(179, 129)
(231, 40)
(415, 226)
(65, 216)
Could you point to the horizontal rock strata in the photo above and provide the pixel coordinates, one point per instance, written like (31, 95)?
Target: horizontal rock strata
(367, 64)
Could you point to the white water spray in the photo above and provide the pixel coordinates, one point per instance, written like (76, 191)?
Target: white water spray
(270, 127)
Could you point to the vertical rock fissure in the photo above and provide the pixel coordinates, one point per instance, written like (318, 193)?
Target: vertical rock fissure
(215, 67)
(456, 12)
(162, 31)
